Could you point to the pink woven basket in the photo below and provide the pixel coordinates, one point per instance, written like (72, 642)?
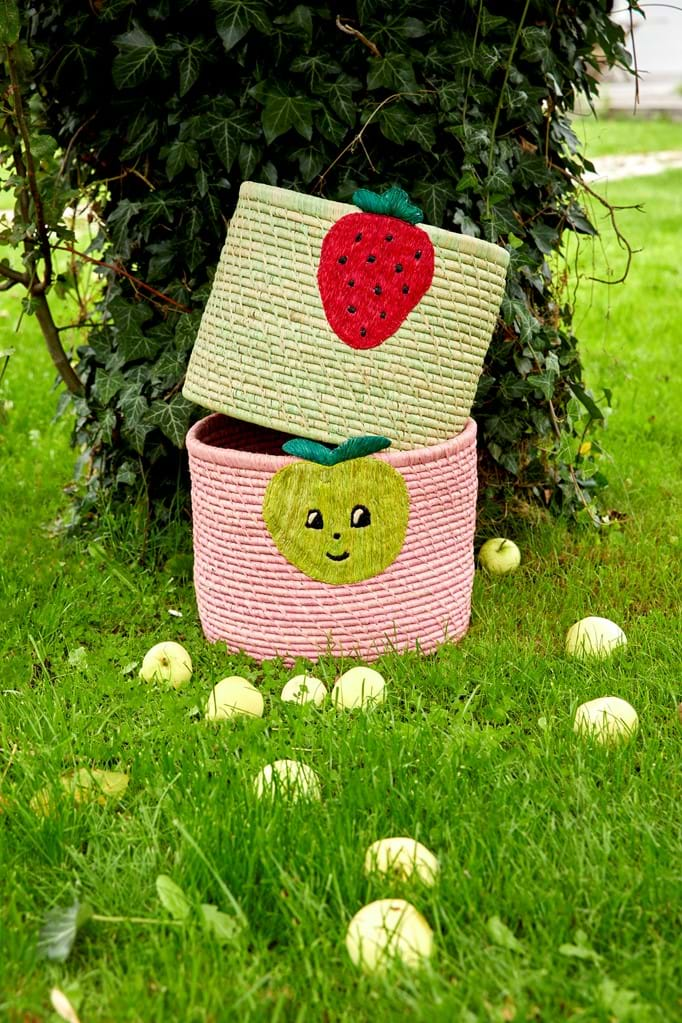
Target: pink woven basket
(252, 598)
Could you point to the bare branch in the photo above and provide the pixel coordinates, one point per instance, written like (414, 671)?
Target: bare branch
(122, 272)
(38, 287)
(54, 346)
(350, 30)
(357, 139)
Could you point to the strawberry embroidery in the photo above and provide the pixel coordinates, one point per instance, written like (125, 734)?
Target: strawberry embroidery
(375, 267)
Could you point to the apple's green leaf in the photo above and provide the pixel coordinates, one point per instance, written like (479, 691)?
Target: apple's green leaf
(501, 935)
(310, 450)
(356, 447)
(359, 447)
(59, 930)
(172, 897)
(221, 926)
(10, 22)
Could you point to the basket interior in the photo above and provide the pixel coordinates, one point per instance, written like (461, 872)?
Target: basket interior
(223, 432)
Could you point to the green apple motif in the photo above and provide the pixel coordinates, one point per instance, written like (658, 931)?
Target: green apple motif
(339, 516)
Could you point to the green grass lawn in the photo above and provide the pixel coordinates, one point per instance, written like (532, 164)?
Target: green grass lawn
(576, 849)
(604, 136)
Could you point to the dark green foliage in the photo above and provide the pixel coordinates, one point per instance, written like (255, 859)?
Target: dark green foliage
(172, 104)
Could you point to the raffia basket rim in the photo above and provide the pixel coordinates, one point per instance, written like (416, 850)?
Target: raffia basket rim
(236, 458)
(303, 202)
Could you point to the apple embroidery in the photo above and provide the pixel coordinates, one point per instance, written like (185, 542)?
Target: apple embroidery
(339, 516)
(375, 267)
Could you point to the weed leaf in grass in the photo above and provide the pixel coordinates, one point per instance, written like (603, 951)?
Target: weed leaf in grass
(580, 950)
(221, 926)
(59, 931)
(500, 935)
(62, 1006)
(173, 898)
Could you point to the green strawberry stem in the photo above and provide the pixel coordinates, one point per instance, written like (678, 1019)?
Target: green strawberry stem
(393, 203)
(355, 447)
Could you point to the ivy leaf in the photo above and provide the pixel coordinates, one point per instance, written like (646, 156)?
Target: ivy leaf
(190, 64)
(10, 22)
(227, 134)
(107, 385)
(249, 158)
(316, 67)
(221, 926)
(340, 96)
(172, 418)
(236, 17)
(587, 401)
(433, 197)
(173, 898)
(413, 28)
(138, 59)
(501, 935)
(423, 131)
(300, 21)
(282, 112)
(59, 930)
(394, 71)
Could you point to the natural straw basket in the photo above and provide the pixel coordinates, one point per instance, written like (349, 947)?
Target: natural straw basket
(252, 598)
(265, 352)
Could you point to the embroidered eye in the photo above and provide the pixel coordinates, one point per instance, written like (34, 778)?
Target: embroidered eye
(360, 517)
(314, 520)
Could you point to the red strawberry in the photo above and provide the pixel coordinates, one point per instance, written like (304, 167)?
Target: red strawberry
(374, 268)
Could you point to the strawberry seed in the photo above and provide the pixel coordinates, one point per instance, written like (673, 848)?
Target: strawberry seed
(383, 314)
(342, 259)
(351, 308)
(351, 284)
(389, 238)
(377, 290)
(371, 259)
(358, 237)
(399, 268)
(363, 331)
(418, 254)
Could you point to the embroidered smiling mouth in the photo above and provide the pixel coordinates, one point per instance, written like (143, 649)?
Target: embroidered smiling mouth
(339, 557)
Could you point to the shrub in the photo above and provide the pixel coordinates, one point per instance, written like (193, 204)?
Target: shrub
(157, 112)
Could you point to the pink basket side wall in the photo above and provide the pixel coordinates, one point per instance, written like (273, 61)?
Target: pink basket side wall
(250, 597)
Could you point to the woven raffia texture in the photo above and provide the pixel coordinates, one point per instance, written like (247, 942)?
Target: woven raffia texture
(252, 598)
(266, 354)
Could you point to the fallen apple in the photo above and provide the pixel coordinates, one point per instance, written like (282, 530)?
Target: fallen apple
(403, 857)
(386, 930)
(288, 778)
(232, 696)
(499, 556)
(358, 687)
(594, 637)
(608, 720)
(304, 689)
(167, 662)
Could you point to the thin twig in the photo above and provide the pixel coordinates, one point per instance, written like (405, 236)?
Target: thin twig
(350, 30)
(357, 139)
(498, 109)
(22, 125)
(121, 270)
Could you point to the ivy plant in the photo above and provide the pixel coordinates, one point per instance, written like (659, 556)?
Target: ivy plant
(155, 113)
